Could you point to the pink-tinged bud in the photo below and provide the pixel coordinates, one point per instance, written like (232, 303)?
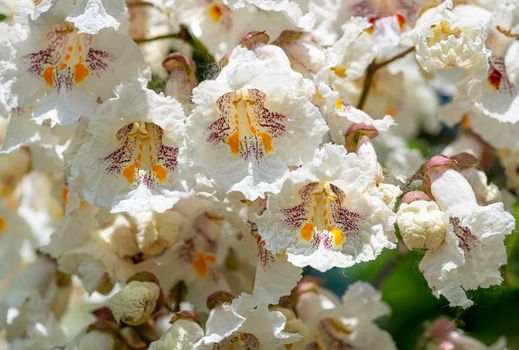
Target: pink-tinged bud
(176, 60)
(355, 132)
(415, 196)
(184, 315)
(218, 298)
(440, 329)
(433, 167)
(306, 56)
(306, 285)
(254, 39)
(182, 79)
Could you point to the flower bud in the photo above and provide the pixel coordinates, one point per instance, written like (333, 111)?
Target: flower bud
(182, 79)
(253, 39)
(217, 298)
(422, 224)
(355, 132)
(135, 303)
(306, 56)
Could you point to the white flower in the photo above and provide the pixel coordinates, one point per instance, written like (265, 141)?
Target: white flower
(131, 159)
(211, 236)
(306, 56)
(97, 254)
(46, 143)
(449, 39)
(254, 121)
(61, 71)
(220, 24)
(349, 56)
(16, 242)
(89, 16)
(347, 324)
(473, 249)
(91, 340)
(183, 334)
(135, 303)
(422, 224)
(328, 214)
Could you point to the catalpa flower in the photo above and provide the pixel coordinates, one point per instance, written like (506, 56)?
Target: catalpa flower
(473, 250)
(447, 38)
(329, 213)
(219, 24)
(62, 71)
(210, 234)
(247, 319)
(347, 323)
(131, 160)
(254, 121)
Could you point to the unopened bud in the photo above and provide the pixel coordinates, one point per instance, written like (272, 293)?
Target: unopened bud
(135, 303)
(253, 39)
(422, 224)
(355, 132)
(218, 298)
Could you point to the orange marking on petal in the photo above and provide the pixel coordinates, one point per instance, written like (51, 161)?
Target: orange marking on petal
(48, 76)
(233, 141)
(129, 172)
(401, 20)
(307, 231)
(2, 224)
(161, 172)
(67, 57)
(465, 121)
(200, 263)
(63, 66)
(69, 48)
(494, 78)
(339, 104)
(267, 141)
(64, 195)
(391, 110)
(80, 72)
(338, 237)
(215, 12)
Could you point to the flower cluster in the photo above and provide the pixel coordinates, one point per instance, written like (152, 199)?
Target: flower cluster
(174, 165)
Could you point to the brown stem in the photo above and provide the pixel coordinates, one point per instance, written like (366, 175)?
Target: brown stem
(389, 266)
(159, 37)
(140, 4)
(370, 72)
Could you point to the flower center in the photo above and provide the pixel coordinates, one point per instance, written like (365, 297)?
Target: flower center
(201, 263)
(321, 215)
(68, 59)
(245, 125)
(141, 158)
(441, 32)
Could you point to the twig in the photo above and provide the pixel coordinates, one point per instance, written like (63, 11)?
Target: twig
(159, 37)
(370, 72)
(140, 4)
(389, 266)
